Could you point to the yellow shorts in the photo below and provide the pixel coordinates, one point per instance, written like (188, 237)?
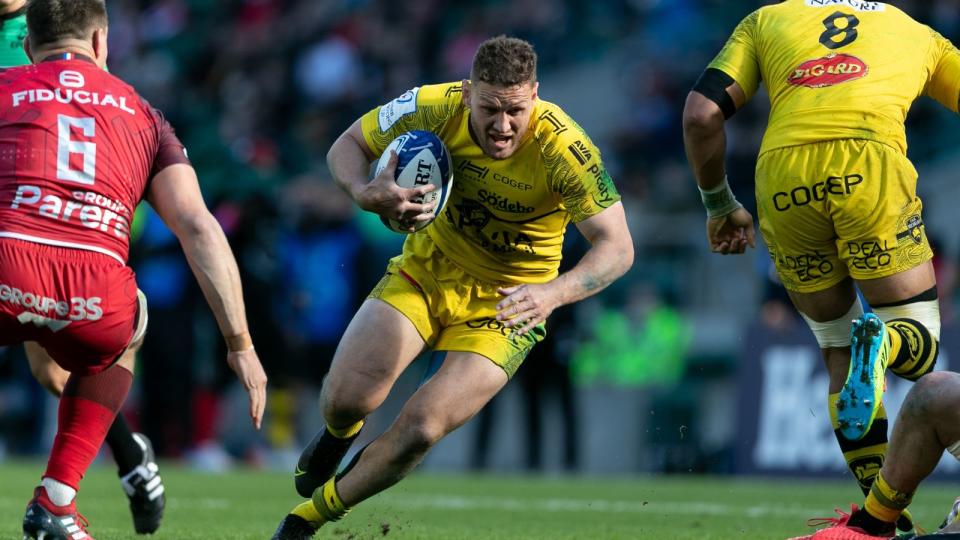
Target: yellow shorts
(452, 310)
(839, 208)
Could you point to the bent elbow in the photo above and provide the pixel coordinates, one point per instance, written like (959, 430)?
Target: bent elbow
(198, 226)
(628, 258)
(701, 115)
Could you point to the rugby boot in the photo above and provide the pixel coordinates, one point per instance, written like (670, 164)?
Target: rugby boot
(319, 461)
(952, 518)
(144, 489)
(840, 529)
(46, 521)
(295, 526)
(863, 390)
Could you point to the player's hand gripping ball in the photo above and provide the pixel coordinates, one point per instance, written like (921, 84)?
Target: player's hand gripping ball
(422, 159)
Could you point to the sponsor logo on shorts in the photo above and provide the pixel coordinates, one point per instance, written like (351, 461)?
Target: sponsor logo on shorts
(859, 5)
(914, 230)
(828, 71)
(804, 195)
(580, 152)
(55, 325)
(870, 254)
(77, 308)
(490, 324)
(806, 267)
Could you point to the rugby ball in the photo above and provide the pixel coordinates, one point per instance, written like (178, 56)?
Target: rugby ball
(422, 159)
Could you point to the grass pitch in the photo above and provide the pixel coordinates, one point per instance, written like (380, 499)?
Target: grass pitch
(249, 504)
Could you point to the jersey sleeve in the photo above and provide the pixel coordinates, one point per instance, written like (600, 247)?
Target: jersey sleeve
(944, 82)
(739, 57)
(423, 107)
(576, 172)
(170, 151)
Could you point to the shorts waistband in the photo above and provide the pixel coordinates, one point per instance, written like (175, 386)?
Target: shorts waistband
(59, 251)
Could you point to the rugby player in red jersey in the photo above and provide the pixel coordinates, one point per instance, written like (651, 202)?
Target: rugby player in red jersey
(136, 462)
(78, 150)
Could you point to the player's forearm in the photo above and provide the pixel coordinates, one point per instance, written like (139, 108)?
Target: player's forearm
(607, 259)
(349, 164)
(209, 255)
(705, 141)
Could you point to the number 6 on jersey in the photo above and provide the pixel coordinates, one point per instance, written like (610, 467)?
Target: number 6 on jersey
(66, 147)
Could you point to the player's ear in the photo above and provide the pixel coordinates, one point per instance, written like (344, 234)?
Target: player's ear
(536, 87)
(100, 46)
(465, 92)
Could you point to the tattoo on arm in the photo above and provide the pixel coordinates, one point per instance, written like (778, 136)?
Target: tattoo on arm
(591, 283)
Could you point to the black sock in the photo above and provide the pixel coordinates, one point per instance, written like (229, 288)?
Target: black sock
(322, 456)
(873, 526)
(126, 452)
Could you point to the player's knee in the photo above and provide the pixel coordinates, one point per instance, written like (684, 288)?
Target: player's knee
(923, 308)
(933, 395)
(50, 376)
(347, 401)
(916, 321)
(343, 408)
(835, 333)
(422, 437)
(421, 431)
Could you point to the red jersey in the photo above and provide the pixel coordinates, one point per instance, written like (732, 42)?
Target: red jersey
(78, 148)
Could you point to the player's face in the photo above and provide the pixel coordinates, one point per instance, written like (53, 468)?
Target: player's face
(499, 116)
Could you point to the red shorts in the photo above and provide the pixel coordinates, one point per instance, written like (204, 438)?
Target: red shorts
(81, 306)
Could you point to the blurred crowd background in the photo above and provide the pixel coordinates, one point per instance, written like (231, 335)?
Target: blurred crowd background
(259, 89)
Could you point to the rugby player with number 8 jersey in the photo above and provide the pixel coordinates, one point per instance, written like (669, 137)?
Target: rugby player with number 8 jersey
(477, 283)
(78, 150)
(837, 203)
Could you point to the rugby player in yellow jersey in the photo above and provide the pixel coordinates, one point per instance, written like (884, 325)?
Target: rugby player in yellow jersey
(479, 282)
(136, 463)
(835, 192)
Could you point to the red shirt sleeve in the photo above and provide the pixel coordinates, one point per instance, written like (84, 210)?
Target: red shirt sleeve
(170, 151)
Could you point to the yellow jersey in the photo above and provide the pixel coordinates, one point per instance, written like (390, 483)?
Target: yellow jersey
(839, 69)
(505, 219)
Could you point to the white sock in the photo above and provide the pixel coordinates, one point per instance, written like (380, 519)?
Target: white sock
(59, 493)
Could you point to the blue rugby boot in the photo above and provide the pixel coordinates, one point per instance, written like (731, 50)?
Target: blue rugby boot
(863, 390)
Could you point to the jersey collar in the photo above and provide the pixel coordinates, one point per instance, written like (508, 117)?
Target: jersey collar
(68, 56)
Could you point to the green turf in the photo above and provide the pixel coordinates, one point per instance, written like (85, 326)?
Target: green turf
(249, 504)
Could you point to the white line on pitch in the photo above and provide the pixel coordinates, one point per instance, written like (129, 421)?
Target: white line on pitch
(460, 502)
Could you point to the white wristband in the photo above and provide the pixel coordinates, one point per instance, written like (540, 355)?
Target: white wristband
(719, 201)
